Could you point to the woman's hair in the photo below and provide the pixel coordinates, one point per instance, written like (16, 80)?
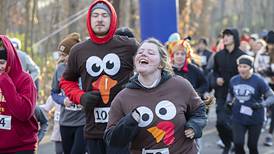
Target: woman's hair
(247, 57)
(3, 52)
(248, 60)
(164, 57)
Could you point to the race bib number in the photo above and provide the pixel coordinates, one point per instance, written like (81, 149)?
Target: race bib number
(56, 116)
(5, 122)
(246, 110)
(156, 151)
(101, 114)
(74, 107)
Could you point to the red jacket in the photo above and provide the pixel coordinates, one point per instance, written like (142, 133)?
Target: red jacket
(18, 126)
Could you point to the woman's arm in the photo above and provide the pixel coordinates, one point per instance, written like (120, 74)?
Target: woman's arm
(121, 129)
(196, 112)
(21, 100)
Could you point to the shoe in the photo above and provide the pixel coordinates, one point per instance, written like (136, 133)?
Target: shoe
(220, 144)
(268, 141)
(226, 151)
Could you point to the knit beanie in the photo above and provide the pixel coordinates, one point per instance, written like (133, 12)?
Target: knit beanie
(101, 6)
(68, 42)
(125, 31)
(174, 37)
(3, 52)
(270, 37)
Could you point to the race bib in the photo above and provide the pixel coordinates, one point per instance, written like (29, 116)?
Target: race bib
(56, 116)
(5, 122)
(101, 114)
(246, 110)
(203, 60)
(156, 151)
(74, 107)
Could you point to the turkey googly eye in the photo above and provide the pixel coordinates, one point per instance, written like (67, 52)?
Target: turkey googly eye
(112, 64)
(94, 66)
(165, 110)
(146, 116)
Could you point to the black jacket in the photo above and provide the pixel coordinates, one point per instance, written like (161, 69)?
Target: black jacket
(196, 77)
(225, 65)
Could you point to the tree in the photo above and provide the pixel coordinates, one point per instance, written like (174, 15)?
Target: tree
(3, 12)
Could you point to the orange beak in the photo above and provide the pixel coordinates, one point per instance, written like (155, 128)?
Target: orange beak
(157, 133)
(104, 85)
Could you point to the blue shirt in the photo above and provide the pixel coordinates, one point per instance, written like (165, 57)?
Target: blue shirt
(247, 92)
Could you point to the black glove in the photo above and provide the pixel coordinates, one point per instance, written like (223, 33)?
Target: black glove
(90, 99)
(256, 106)
(229, 106)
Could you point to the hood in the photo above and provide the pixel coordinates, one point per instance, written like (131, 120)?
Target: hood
(235, 34)
(14, 67)
(186, 45)
(135, 84)
(113, 23)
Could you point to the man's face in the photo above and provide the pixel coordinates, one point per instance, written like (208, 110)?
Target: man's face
(228, 39)
(100, 22)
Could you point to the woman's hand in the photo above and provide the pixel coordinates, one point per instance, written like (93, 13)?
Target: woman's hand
(67, 102)
(189, 133)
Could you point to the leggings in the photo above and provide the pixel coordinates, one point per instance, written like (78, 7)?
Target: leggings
(239, 132)
(73, 139)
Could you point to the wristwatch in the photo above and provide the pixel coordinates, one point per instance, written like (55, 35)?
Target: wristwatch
(135, 115)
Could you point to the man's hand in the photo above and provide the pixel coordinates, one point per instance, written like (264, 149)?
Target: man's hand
(90, 99)
(209, 100)
(189, 133)
(220, 81)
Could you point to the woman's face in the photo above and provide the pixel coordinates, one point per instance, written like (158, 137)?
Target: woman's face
(258, 46)
(3, 64)
(244, 70)
(63, 56)
(179, 57)
(147, 59)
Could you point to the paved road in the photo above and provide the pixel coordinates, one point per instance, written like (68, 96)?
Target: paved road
(209, 141)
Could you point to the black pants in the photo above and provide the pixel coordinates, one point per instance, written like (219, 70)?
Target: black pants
(73, 139)
(239, 132)
(272, 120)
(224, 122)
(98, 146)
